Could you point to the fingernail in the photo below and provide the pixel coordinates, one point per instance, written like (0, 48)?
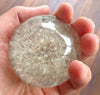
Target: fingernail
(85, 71)
(43, 6)
(97, 39)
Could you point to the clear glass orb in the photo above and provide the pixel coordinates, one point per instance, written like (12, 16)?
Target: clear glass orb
(41, 50)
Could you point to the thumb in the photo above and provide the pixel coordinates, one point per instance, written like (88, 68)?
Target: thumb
(15, 16)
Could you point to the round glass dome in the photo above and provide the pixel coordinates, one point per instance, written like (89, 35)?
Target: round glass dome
(41, 50)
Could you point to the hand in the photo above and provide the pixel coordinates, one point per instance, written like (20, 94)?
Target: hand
(80, 74)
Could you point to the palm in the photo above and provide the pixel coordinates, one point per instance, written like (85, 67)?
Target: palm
(10, 84)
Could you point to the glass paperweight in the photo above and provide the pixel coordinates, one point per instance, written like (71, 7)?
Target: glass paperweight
(41, 50)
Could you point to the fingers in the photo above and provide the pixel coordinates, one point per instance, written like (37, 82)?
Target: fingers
(80, 75)
(89, 44)
(88, 41)
(83, 25)
(64, 13)
(12, 19)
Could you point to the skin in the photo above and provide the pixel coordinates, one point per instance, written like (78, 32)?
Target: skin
(80, 74)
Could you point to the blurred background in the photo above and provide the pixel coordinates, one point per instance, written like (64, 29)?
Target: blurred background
(87, 8)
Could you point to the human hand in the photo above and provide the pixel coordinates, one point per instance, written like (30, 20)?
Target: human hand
(80, 74)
